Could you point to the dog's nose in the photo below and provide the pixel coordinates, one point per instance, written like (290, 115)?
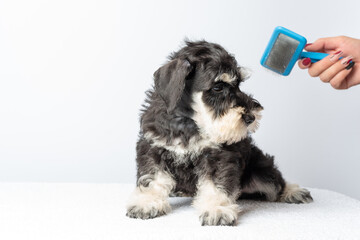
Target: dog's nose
(248, 118)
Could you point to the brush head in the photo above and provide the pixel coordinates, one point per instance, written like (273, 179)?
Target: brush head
(283, 50)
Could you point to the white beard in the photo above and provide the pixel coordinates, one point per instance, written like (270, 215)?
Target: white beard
(227, 129)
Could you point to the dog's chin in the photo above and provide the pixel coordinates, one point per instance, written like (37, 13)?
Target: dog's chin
(229, 128)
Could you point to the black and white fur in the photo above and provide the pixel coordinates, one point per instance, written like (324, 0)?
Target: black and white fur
(195, 141)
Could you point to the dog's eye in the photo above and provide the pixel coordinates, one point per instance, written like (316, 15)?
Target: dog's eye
(218, 87)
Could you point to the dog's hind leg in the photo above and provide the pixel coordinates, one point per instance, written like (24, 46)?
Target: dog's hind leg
(292, 193)
(271, 189)
(262, 178)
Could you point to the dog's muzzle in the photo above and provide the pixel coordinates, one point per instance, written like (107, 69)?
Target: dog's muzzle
(248, 118)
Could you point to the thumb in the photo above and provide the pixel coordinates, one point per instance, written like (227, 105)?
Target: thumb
(324, 45)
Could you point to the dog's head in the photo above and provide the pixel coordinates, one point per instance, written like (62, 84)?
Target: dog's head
(201, 81)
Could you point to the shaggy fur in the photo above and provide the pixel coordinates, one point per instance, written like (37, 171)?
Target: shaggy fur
(195, 141)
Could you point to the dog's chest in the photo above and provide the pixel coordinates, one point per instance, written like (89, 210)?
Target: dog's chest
(181, 153)
(183, 170)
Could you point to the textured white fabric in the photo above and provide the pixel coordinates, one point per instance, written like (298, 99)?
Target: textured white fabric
(46, 211)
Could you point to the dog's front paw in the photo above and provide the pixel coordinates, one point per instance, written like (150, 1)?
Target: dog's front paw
(147, 210)
(294, 194)
(220, 216)
(146, 205)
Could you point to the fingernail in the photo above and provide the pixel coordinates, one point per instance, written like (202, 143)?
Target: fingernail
(347, 60)
(308, 44)
(350, 65)
(306, 61)
(335, 56)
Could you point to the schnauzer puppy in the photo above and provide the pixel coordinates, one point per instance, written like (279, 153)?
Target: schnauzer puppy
(195, 141)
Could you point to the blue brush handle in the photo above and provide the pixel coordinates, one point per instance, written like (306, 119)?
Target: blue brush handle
(314, 56)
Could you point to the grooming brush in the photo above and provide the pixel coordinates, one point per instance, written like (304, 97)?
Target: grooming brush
(284, 49)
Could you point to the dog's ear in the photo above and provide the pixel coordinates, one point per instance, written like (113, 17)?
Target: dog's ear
(170, 81)
(245, 73)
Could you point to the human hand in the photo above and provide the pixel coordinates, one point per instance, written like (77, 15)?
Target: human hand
(340, 73)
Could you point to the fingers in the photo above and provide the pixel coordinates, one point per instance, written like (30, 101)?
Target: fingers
(325, 44)
(322, 65)
(333, 70)
(336, 68)
(339, 80)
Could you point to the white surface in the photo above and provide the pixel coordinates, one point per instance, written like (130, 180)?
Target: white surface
(97, 211)
(73, 75)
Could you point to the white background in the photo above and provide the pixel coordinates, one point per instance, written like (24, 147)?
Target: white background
(73, 76)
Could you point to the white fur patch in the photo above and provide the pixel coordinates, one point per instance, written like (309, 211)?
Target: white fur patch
(245, 72)
(162, 183)
(255, 125)
(154, 196)
(214, 202)
(226, 129)
(295, 194)
(194, 148)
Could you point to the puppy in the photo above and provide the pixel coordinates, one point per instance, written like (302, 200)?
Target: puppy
(195, 141)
